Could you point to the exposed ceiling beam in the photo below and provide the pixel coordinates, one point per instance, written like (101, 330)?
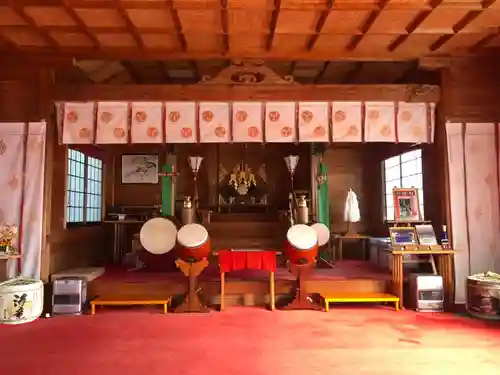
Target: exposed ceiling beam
(356, 69)
(81, 25)
(132, 72)
(33, 25)
(225, 29)
(177, 25)
(201, 92)
(130, 25)
(157, 54)
(319, 26)
(272, 25)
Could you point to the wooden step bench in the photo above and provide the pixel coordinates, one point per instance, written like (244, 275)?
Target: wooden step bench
(368, 297)
(129, 301)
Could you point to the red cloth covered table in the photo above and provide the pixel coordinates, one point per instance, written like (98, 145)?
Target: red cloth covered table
(238, 260)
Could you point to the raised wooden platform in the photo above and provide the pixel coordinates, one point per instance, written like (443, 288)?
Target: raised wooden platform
(123, 300)
(348, 277)
(360, 298)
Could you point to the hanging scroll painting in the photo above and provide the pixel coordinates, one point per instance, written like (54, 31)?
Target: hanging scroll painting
(412, 122)
(78, 123)
(346, 122)
(380, 122)
(247, 122)
(214, 122)
(180, 122)
(280, 122)
(313, 122)
(147, 122)
(112, 123)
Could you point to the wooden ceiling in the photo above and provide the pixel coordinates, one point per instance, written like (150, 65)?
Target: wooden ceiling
(190, 72)
(292, 30)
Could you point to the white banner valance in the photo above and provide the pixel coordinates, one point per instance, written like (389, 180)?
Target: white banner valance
(246, 121)
(147, 122)
(347, 121)
(78, 123)
(314, 122)
(112, 123)
(413, 125)
(180, 122)
(280, 122)
(380, 122)
(214, 122)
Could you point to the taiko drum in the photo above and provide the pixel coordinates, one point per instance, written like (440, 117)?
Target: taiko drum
(194, 243)
(301, 245)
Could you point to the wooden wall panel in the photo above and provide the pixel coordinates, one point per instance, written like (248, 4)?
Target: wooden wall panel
(470, 89)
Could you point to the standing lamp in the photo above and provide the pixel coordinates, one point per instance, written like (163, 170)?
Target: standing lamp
(195, 163)
(291, 164)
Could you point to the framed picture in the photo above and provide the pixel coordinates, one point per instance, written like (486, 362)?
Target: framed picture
(140, 169)
(426, 235)
(406, 204)
(403, 236)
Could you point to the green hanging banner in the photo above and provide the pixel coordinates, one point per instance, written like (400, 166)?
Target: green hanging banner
(323, 208)
(168, 172)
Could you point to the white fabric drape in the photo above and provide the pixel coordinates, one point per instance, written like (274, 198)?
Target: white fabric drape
(351, 208)
(11, 178)
(32, 214)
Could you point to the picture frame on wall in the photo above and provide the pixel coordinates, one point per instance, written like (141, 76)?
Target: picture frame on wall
(406, 204)
(140, 169)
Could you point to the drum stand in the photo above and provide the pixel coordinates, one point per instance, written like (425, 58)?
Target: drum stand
(302, 299)
(192, 302)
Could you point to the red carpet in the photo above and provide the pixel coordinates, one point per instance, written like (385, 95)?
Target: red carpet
(251, 341)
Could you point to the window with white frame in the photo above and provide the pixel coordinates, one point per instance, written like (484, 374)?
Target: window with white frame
(402, 171)
(83, 189)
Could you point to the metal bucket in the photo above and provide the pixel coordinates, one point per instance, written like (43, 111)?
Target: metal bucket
(483, 296)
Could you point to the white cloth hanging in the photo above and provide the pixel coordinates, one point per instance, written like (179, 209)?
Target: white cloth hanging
(351, 210)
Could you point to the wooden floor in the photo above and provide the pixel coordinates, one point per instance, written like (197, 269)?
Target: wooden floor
(357, 277)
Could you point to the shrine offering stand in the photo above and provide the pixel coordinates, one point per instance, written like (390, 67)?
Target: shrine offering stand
(234, 260)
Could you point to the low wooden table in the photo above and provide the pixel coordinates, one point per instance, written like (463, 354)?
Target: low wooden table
(352, 298)
(444, 269)
(129, 301)
(352, 237)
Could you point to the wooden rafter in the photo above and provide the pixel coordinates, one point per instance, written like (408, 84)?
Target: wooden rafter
(177, 25)
(132, 72)
(468, 18)
(349, 77)
(225, 30)
(370, 20)
(322, 72)
(33, 25)
(164, 70)
(319, 26)
(272, 24)
(130, 26)
(81, 25)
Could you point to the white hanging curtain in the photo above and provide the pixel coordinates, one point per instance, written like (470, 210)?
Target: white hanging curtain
(32, 214)
(11, 179)
(351, 209)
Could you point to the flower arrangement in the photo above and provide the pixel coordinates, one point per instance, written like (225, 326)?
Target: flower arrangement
(7, 235)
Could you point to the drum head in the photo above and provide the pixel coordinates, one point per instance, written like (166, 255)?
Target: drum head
(322, 232)
(158, 235)
(192, 235)
(302, 237)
